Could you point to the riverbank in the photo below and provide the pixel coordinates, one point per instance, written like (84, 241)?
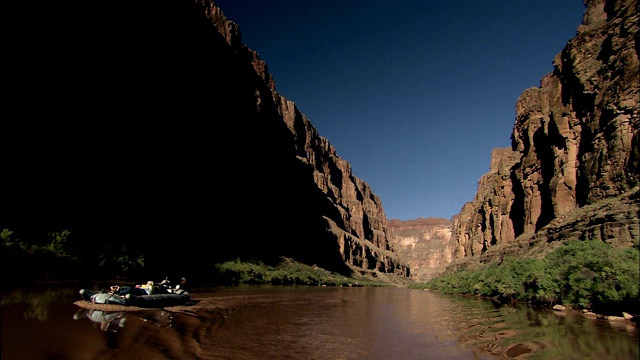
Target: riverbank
(590, 275)
(623, 319)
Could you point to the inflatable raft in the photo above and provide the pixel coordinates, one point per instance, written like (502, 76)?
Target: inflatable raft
(179, 297)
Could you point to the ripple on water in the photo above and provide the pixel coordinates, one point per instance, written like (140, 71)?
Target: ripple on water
(523, 349)
(491, 348)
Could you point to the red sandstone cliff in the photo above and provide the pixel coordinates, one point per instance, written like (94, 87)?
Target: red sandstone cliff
(575, 146)
(425, 244)
(573, 171)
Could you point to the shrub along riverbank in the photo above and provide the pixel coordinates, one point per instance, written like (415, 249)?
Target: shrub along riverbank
(581, 274)
(60, 259)
(287, 272)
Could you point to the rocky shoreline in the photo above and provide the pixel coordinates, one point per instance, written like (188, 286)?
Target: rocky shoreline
(625, 318)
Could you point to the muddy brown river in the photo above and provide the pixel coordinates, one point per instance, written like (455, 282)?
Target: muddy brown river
(263, 322)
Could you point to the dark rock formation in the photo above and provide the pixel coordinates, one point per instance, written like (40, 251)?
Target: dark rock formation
(575, 146)
(150, 125)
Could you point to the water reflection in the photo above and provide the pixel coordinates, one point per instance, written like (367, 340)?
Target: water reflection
(514, 330)
(108, 321)
(39, 301)
(159, 318)
(304, 322)
(112, 320)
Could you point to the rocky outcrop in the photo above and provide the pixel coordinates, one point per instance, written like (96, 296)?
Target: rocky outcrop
(174, 134)
(425, 244)
(486, 221)
(360, 210)
(613, 220)
(575, 142)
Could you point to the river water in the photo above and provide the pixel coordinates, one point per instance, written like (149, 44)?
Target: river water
(251, 322)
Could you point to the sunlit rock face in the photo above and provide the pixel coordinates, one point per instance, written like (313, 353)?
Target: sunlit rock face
(575, 143)
(486, 221)
(426, 245)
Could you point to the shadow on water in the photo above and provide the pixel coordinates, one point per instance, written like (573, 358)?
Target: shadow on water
(41, 322)
(38, 303)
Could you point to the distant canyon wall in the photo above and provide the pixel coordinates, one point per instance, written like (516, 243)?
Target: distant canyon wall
(426, 244)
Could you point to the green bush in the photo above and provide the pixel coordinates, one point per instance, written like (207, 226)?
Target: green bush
(287, 272)
(585, 274)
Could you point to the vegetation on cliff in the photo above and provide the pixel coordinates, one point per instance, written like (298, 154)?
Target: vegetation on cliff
(582, 274)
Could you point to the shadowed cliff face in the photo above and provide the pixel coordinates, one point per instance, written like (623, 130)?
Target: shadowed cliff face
(150, 125)
(575, 144)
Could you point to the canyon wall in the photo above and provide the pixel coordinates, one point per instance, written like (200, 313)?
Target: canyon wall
(355, 219)
(425, 244)
(575, 144)
(150, 126)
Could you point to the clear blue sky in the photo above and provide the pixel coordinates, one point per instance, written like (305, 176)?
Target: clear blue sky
(414, 94)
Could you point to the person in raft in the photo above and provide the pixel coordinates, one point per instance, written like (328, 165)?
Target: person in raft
(149, 288)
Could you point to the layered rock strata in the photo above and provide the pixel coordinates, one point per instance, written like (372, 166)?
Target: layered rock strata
(355, 218)
(575, 141)
(425, 244)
